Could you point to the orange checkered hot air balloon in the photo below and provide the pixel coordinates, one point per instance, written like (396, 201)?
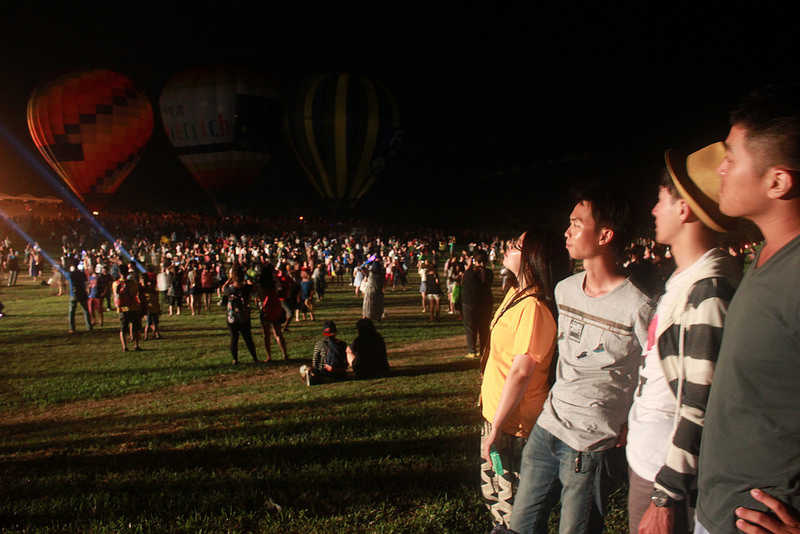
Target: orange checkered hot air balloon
(91, 125)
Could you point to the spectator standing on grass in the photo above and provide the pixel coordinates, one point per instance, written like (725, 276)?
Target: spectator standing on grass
(433, 290)
(367, 353)
(453, 270)
(193, 288)
(476, 303)
(12, 266)
(285, 289)
(175, 289)
(207, 285)
(602, 334)
(77, 297)
(750, 439)
(372, 307)
(318, 277)
(150, 306)
(517, 366)
(34, 266)
(97, 290)
(162, 284)
(666, 420)
(271, 312)
(238, 290)
(305, 304)
(126, 300)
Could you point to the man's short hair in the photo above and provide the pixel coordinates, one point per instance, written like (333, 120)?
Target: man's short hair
(668, 184)
(610, 210)
(771, 116)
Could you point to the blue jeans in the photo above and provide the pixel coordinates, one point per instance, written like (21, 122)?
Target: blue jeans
(550, 468)
(73, 305)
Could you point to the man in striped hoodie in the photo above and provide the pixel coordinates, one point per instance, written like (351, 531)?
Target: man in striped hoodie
(667, 416)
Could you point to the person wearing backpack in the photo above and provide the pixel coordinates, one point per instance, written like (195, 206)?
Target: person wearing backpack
(126, 301)
(329, 360)
(238, 290)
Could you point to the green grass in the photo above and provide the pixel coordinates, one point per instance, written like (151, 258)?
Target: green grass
(176, 439)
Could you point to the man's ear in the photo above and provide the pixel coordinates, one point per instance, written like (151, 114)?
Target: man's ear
(606, 235)
(782, 184)
(685, 213)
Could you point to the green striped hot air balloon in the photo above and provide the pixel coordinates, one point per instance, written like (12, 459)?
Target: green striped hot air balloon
(343, 129)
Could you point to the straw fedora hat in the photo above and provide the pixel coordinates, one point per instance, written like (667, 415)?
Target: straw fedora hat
(696, 179)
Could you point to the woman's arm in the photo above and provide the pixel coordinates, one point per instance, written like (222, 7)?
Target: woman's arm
(514, 388)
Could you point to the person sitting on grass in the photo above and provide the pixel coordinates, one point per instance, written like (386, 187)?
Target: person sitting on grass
(329, 359)
(367, 354)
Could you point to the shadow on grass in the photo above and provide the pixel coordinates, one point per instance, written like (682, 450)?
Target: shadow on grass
(429, 369)
(324, 463)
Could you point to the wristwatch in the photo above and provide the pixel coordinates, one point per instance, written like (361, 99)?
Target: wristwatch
(661, 499)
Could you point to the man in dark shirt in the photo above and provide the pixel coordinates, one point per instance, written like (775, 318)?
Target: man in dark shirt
(77, 296)
(476, 303)
(753, 417)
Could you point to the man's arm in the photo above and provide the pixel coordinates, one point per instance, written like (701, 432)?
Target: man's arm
(782, 520)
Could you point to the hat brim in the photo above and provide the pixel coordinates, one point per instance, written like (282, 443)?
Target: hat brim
(705, 207)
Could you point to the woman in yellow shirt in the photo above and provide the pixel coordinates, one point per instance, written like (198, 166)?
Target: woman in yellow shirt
(517, 369)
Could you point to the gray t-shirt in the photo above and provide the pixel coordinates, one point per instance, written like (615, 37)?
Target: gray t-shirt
(600, 343)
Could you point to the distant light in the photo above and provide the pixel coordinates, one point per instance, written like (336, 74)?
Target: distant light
(95, 213)
(301, 217)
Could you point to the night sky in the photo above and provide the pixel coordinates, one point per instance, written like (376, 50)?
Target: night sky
(502, 109)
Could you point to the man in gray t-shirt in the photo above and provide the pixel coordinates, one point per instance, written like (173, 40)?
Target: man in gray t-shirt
(602, 333)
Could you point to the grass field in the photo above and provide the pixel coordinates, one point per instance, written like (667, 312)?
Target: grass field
(176, 439)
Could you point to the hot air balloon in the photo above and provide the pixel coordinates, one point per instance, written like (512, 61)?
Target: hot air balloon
(91, 125)
(223, 120)
(343, 129)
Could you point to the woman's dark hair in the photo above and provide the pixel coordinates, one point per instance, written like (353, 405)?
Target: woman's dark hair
(237, 273)
(543, 263)
(267, 276)
(366, 329)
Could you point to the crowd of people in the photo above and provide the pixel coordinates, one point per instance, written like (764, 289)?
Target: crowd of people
(682, 372)
(656, 357)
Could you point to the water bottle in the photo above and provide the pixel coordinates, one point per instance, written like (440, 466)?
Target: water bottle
(496, 462)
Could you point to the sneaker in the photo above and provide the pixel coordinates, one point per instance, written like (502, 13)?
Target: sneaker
(471, 355)
(303, 370)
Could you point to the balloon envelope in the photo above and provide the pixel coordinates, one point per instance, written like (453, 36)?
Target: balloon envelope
(343, 129)
(91, 125)
(223, 120)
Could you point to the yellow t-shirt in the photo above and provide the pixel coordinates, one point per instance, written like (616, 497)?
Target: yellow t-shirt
(527, 328)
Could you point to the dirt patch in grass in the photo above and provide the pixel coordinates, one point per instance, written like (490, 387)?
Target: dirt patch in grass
(450, 347)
